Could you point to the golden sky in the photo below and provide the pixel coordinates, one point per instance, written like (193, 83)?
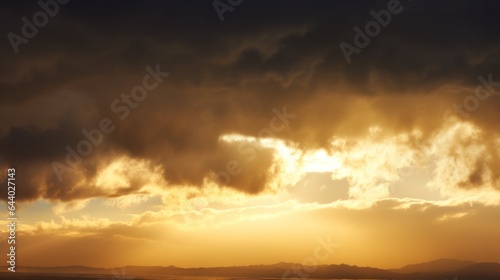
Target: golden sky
(189, 141)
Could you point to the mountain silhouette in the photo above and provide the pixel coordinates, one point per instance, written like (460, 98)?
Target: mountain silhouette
(483, 271)
(440, 265)
(438, 269)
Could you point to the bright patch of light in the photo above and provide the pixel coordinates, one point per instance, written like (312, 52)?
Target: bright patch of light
(292, 160)
(320, 161)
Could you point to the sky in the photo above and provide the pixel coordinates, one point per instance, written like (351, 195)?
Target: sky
(221, 133)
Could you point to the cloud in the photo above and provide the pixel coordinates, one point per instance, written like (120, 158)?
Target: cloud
(398, 225)
(227, 79)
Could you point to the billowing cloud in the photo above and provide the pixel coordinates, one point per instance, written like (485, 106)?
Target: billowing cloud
(227, 79)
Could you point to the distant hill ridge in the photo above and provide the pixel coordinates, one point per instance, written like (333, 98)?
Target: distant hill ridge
(440, 265)
(437, 269)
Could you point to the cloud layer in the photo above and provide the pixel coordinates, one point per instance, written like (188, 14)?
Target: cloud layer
(226, 78)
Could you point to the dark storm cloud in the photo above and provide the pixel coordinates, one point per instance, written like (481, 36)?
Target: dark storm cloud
(226, 77)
